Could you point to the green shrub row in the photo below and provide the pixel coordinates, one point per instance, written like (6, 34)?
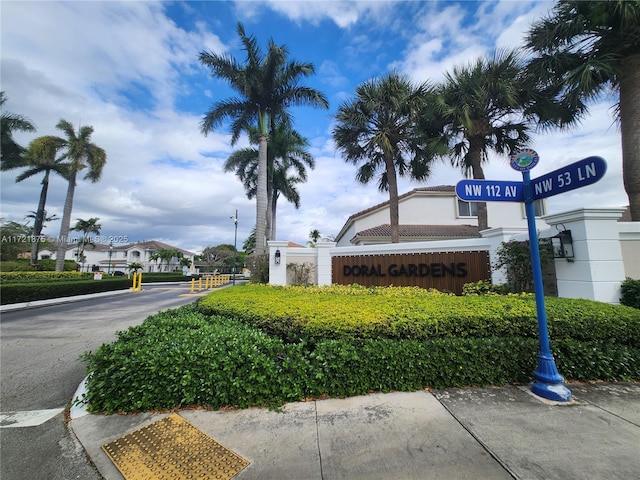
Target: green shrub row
(24, 265)
(341, 312)
(164, 277)
(182, 357)
(20, 287)
(42, 276)
(28, 292)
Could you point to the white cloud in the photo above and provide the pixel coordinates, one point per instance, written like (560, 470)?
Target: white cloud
(343, 13)
(131, 72)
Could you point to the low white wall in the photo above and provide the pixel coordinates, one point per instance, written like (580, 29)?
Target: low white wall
(630, 245)
(606, 251)
(597, 269)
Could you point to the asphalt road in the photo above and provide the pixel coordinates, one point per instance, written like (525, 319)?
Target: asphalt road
(40, 370)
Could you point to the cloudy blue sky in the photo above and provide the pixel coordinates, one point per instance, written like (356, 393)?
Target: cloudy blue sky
(130, 69)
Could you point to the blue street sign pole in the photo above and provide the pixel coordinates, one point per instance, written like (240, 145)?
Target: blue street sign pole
(548, 382)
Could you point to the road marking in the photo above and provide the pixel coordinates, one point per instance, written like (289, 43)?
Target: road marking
(31, 418)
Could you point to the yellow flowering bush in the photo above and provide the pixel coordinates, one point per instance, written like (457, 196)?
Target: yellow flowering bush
(340, 311)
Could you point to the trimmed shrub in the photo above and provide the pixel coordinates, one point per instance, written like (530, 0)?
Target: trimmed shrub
(313, 313)
(28, 292)
(42, 277)
(630, 293)
(182, 357)
(24, 265)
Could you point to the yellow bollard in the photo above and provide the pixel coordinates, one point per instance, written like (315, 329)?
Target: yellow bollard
(140, 281)
(133, 285)
(207, 283)
(193, 284)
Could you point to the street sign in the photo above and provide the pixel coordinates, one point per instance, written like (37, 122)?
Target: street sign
(577, 175)
(490, 191)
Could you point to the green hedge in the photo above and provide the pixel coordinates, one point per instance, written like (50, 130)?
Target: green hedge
(18, 287)
(164, 277)
(339, 312)
(46, 277)
(28, 292)
(630, 290)
(183, 357)
(24, 265)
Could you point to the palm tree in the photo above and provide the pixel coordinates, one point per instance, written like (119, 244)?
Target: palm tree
(42, 157)
(87, 227)
(154, 257)
(81, 154)
(166, 255)
(583, 49)
(288, 151)
(377, 130)
(267, 86)
(10, 152)
(314, 235)
(45, 219)
(482, 105)
(134, 266)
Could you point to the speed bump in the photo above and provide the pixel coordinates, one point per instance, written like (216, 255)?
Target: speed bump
(170, 449)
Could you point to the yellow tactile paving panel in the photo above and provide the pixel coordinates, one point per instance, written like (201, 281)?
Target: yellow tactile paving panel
(172, 449)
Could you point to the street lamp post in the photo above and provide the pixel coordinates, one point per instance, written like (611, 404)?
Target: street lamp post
(235, 249)
(110, 254)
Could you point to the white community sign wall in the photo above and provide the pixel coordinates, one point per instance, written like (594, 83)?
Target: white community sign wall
(605, 251)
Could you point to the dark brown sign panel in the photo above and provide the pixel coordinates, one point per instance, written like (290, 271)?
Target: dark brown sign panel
(447, 271)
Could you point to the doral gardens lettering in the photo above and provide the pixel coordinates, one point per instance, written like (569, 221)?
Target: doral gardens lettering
(437, 270)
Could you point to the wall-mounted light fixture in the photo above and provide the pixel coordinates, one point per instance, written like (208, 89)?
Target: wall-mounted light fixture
(276, 257)
(562, 244)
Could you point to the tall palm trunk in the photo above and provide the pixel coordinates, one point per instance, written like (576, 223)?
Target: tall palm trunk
(273, 210)
(394, 211)
(39, 220)
(630, 130)
(475, 162)
(270, 229)
(65, 224)
(261, 196)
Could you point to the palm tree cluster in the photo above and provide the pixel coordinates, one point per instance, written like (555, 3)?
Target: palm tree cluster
(287, 159)
(268, 85)
(169, 256)
(394, 128)
(496, 102)
(48, 154)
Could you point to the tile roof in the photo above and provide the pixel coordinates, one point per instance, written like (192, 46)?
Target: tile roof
(426, 231)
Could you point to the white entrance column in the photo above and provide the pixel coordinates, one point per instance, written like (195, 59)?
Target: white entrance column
(323, 249)
(278, 272)
(597, 269)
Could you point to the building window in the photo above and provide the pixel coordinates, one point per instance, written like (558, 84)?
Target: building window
(539, 208)
(467, 209)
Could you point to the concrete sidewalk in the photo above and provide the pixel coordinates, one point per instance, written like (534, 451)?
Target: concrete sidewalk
(478, 433)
